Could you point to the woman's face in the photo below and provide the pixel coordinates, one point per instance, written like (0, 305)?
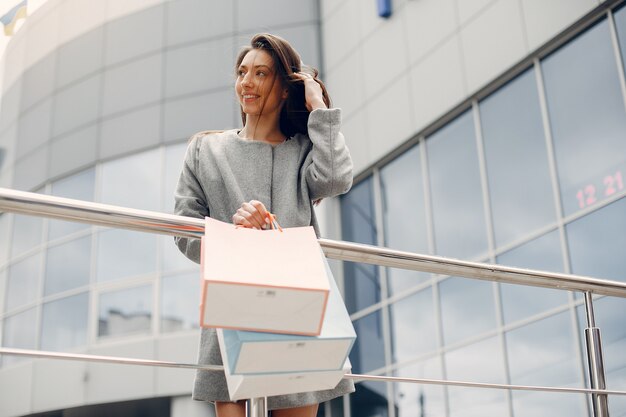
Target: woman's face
(258, 87)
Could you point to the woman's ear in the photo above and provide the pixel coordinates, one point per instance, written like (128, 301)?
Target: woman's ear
(285, 94)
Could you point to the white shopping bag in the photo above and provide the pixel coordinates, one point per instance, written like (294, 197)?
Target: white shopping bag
(242, 387)
(261, 353)
(262, 280)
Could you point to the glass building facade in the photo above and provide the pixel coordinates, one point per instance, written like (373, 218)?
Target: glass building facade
(530, 176)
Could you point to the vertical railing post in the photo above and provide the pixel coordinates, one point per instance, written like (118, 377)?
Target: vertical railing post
(596, 364)
(257, 407)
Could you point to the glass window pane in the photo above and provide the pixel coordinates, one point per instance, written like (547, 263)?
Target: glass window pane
(68, 266)
(404, 214)
(122, 178)
(368, 352)
(64, 323)
(23, 282)
(587, 117)
(413, 327)
(79, 187)
(124, 253)
(420, 399)
(174, 156)
(125, 311)
(516, 159)
(479, 362)
(358, 222)
(520, 301)
(180, 297)
(597, 242)
(26, 233)
(544, 353)
(19, 332)
(369, 400)
(467, 308)
(457, 198)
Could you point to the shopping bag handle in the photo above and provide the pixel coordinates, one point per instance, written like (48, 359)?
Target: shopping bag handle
(273, 223)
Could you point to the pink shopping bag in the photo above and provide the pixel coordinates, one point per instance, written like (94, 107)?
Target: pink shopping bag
(262, 280)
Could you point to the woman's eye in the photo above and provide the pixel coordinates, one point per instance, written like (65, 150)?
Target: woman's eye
(260, 74)
(240, 73)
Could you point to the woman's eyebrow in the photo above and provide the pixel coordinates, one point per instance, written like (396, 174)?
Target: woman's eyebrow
(256, 66)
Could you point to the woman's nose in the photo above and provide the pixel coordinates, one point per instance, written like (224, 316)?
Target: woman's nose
(247, 79)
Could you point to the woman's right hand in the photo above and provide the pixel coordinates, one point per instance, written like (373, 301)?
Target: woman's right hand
(252, 214)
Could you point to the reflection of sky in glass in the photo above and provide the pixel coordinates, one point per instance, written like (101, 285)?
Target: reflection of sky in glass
(413, 330)
(124, 253)
(64, 323)
(23, 282)
(180, 298)
(549, 404)
(133, 181)
(479, 362)
(457, 199)
(26, 233)
(79, 187)
(20, 331)
(68, 265)
(358, 224)
(587, 118)
(404, 214)
(516, 159)
(467, 308)
(597, 243)
(620, 25)
(125, 311)
(544, 353)
(368, 352)
(542, 253)
(174, 156)
(414, 400)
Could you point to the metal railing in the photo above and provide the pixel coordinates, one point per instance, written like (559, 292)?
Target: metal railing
(160, 223)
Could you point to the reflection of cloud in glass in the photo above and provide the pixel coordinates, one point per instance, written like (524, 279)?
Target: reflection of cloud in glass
(586, 113)
(467, 308)
(542, 253)
(544, 353)
(457, 203)
(516, 159)
(479, 362)
(412, 322)
(413, 400)
(597, 242)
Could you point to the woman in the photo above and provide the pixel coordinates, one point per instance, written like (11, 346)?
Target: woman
(288, 155)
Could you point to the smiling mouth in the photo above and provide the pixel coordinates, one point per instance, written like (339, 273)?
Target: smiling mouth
(249, 97)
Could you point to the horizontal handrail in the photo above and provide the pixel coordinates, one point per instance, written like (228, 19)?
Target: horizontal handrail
(168, 224)
(355, 377)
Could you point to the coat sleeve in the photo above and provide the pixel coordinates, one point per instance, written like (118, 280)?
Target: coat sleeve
(329, 165)
(190, 200)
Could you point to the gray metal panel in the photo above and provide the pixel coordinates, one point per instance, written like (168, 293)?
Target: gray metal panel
(33, 128)
(79, 57)
(77, 105)
(75, 150)
(191, 20)
(130, 131)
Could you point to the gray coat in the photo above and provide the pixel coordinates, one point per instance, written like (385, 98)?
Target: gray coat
(223, 170)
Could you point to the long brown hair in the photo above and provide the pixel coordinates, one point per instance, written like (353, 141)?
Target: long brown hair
(294, 115)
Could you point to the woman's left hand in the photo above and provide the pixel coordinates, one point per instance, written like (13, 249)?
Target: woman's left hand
(312, 92)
